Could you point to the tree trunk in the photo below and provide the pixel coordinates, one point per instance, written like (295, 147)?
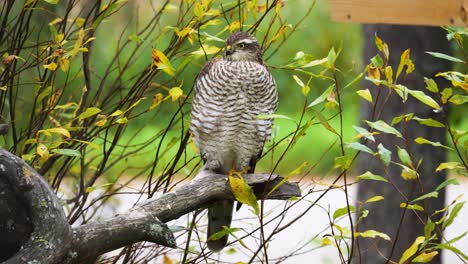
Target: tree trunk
(386, 215)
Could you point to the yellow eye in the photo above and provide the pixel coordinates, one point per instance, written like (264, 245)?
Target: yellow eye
(241, 45)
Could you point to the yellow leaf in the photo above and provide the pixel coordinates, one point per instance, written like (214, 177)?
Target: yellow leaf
(167, 260)
(175, 93)
(51, 66)
(64, 65)
(29, 2)
(382, 46)
(389, 74)
(280, 32)
(42, 151)
(101, 123)
(157, 99)
(57, 130)
(408, 174)
(234, 26)
(59, 38)
(91, 144)
(122, 120)
(374, 199)
(374, 73)
(326, 241)
(425, 257)
(405, 60)
(78, 43)
(242, 191)
(89, 112)
(117, 113)
(207, 49)
(79, 21)
(198, 11)
(279, 5)
(55, 21)
(411, 250)
(162, 62)
(365, 94)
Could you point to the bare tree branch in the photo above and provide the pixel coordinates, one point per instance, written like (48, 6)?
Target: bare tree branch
(52, 240)
(52, 234)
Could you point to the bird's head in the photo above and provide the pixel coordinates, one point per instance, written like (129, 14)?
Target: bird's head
(240, 46)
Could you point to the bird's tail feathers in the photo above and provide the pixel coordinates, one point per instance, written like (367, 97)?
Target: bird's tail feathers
(219, 215)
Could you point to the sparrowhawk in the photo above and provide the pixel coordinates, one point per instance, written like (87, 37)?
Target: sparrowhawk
(230, 94)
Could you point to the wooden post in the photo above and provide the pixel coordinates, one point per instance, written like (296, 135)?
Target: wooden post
(410, 12)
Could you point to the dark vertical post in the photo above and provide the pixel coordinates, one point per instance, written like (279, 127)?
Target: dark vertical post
(386, 215)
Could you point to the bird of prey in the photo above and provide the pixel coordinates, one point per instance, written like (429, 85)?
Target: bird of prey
(230, 93)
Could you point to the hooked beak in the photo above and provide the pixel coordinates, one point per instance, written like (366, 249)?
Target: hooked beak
(228, 51)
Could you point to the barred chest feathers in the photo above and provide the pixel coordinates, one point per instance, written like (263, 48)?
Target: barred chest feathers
(229, 96)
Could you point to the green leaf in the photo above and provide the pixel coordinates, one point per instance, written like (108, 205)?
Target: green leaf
(67, 152)
(365, 94)
(273, 116)
(446, 183)
(404, 156)
(364, 132)
(46, 92)
(359, 147)
(89, 112)
(220, 234)
(383, 127)
(242, 191)
(398, 119)
(296, 171)
(457, 238)
(370, 176)
(377, 61)
(428, 122)
(313, 63)
(421, 140)
(431, 85)
(425, 257)
(434, 194)
(428, 228)
(343, 211)
(135, 38)
(385, 154)
(458, 99)
(375, 199)
(324, 122)
(423, 98)
(444, 56)
(343, 162)
(298, 81)
(358, 77)
(322, 97)
(456, 209)
(446, 94)
(453, 249)
(415, 207)
(372, 234)
(331, 58)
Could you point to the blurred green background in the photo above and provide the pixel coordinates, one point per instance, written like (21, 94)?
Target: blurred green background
(315, 36)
